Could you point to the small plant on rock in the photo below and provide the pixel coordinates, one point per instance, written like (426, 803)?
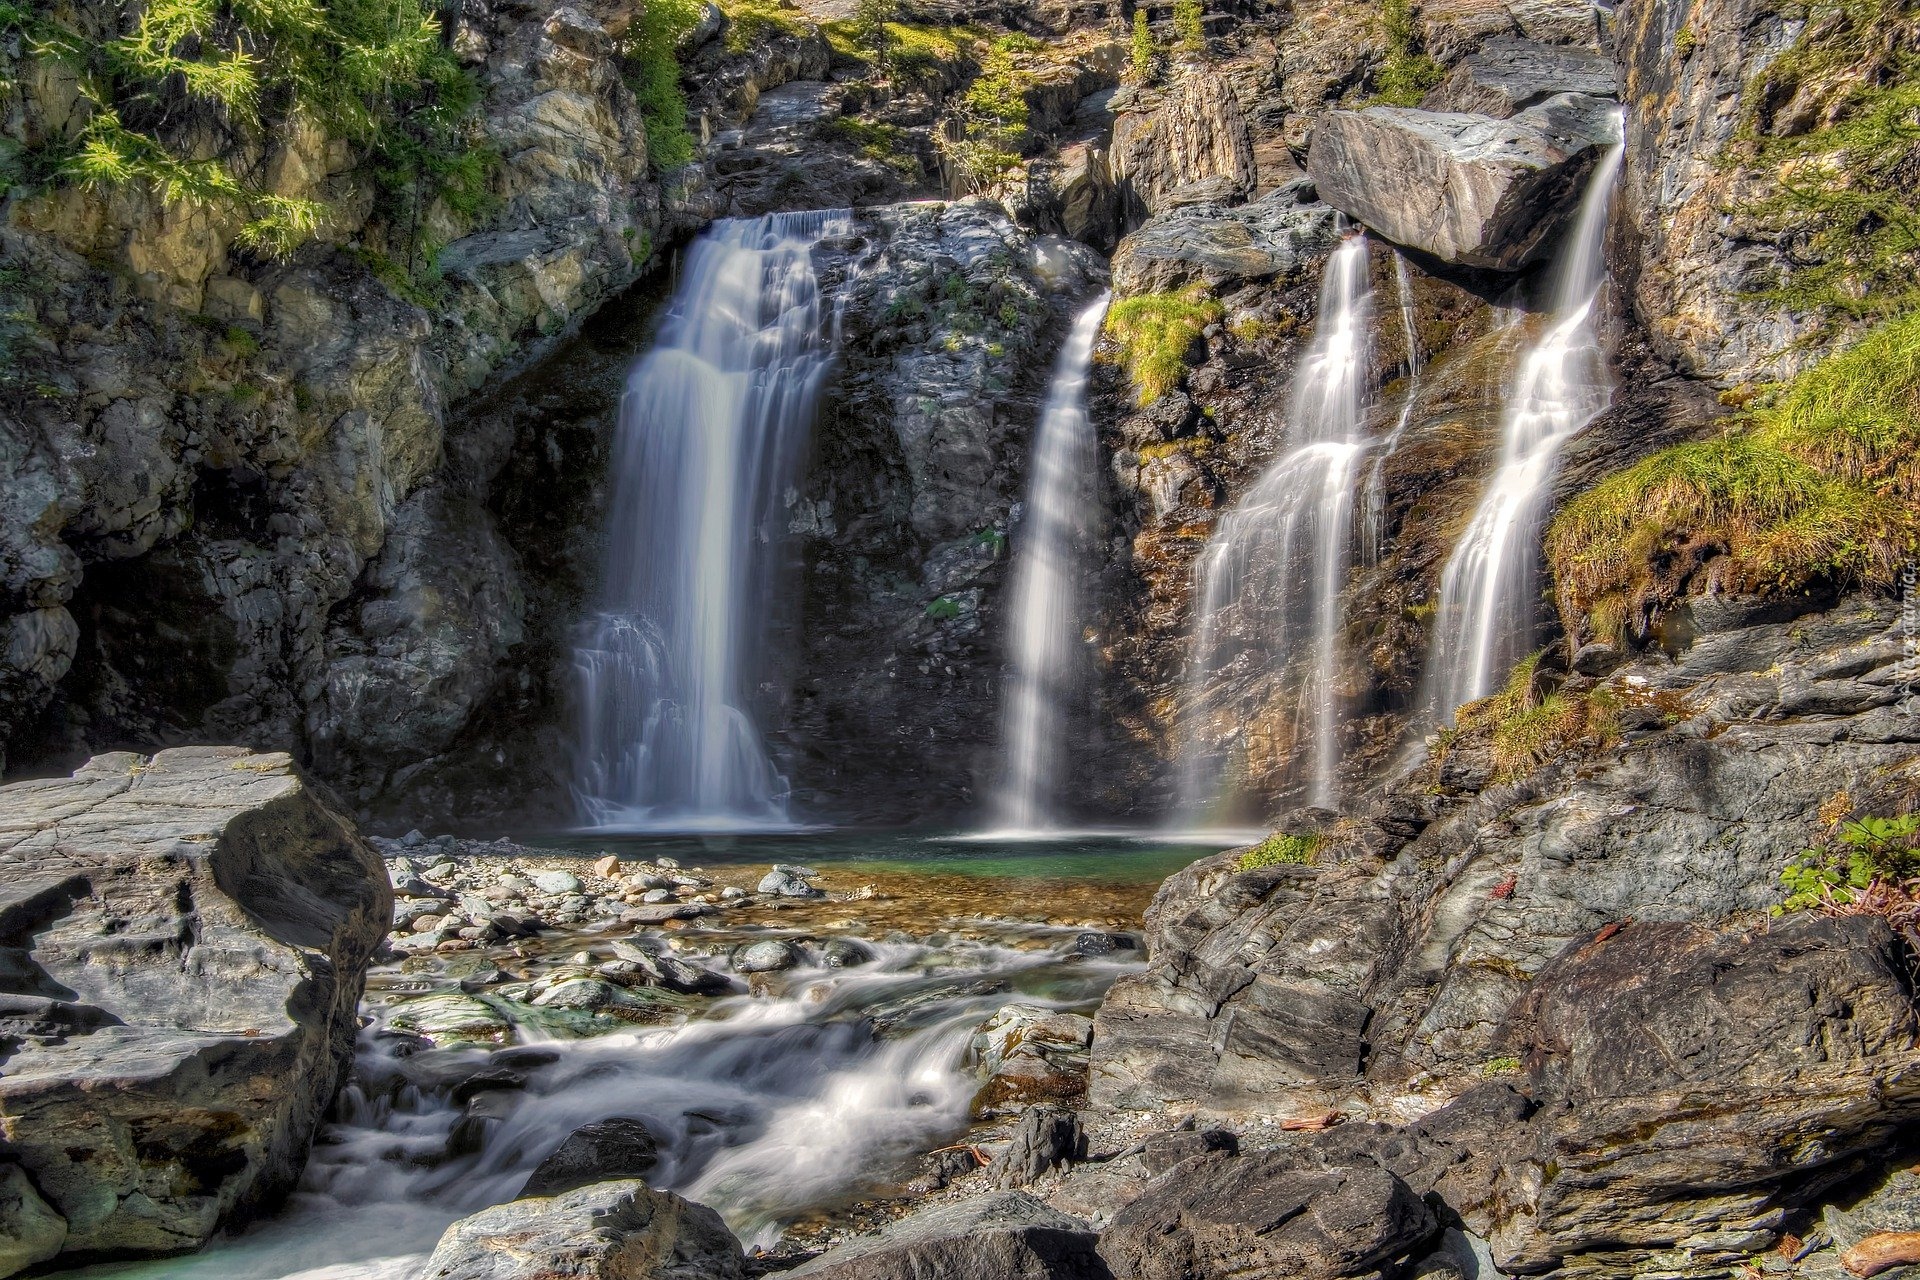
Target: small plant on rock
(1155, 331)
(1189, 26)
(1280, 849)
(1145, 58)
(1865, 866)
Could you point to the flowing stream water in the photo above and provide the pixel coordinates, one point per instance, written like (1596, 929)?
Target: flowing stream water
(1270, 579)
(1490, 587)
(712, 429)
(1048, 654)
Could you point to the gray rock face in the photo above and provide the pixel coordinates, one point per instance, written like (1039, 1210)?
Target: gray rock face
(185, 940)
(1044, 1138)
(1164, 140)
(1466, 189)
(608, 1231)
(1260, 1214)
(1005, 1235)
(1029, 1054)
(604, 1151)
(1506, 76)
(1224, 248)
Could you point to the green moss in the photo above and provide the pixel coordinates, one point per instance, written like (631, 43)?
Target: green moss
(1190, 445)
(1819, 485)
(883, 143)
(1283, 850)
(1525, 728)
(1497, 1068)
(1406, 72)
(944, 609)
(1154, 332)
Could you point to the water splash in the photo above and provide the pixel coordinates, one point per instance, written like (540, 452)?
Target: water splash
(1490, 586)
(1374, 532)
(1047, 670)
(712, 428)
(1270, 579)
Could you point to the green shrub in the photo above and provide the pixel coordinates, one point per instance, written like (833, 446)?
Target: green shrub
(944, 609)
(1146, 51)
(987, 131)
(1189, 26)
(1499, 1068)
(1819, 485)
(1154, 331)
(1835, 119)
(752, 22)
(652, 74)
(1278, 850)
(1406, 72)
(1869, 864)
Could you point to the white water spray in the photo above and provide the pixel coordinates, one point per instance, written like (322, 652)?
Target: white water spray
(1270, 580)
(1047, 670)
(712, 429)
(1489, 589)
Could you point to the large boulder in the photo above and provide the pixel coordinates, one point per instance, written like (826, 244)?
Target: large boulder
(621, 1147)
(1263, 1214)
(1005, 1235)
(1222, 248)
(608, 1231)
(183, 944)
(1506, 76)
(1464, 188)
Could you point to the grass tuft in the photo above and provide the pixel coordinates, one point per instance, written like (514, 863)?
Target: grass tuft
(1154, 332)
(1283, 850)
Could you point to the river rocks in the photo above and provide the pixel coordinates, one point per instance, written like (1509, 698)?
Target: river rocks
(1030, 1055)
(188, 936)
(604, 1151)
(1045, 1138)
(771, 956)
(557, 882)
(785, 882)
(845, 953)
(1463, 188)
(1005, 1235)
(608, 1231)
(1259, 1214)
(1506, 76)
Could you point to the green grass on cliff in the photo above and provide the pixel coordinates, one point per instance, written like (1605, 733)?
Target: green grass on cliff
(1280, 849)
(651, 71)
(1154, 332)
(1526, 726)
(1406, 72)
(1821, 484)
(1835, 122)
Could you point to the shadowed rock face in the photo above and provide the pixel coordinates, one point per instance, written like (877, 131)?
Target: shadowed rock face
(1464, 188)
(183, 940)
(608, 1231)
(1005, 1235)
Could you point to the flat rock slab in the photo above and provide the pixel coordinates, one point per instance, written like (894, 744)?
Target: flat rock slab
(1506, 76)
(1207, 243)
(1006, 1235)
(183, 944)
(607, 1231)
(1466, 189)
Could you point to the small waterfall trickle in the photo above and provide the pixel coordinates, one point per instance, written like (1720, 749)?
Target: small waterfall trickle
(1045, 605)
(712, 430)
(1489, 587)
(1270, 580)
(1374, 532)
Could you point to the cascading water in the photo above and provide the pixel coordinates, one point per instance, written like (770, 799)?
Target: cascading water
(712, 428)
(1270, 581)
(1374, 532)
(1488, 590)
(1046, 613)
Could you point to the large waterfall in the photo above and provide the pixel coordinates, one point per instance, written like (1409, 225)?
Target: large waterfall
(712, 430)
(1047, 648)
(1270, 581)
(1489, 588)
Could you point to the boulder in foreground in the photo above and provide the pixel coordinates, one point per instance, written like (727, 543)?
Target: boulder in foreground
(183, 944)
(1005, 1235)
(607, 1231)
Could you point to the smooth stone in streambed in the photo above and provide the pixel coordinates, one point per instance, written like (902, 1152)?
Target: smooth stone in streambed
(1101, 944)
(607, 1231)
(605, 1150)
(770, 956)
(661, 912)
(449, 1016)
(557, 882)
(787, 885)
(579, 993)
(1004, 1235)
(845, 953)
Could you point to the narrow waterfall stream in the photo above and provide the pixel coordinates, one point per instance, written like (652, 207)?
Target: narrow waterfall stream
(1270, 580)
(1047, 650)
(1490, 586)
(712, 429)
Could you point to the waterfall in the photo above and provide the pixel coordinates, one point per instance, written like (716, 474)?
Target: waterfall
(712, 430)
(1490, 584)
(1270, 579)
(1374, 533)
(1046, 615)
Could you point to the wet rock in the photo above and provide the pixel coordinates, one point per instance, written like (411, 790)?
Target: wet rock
(770, 956)
(1006, 1235)
(608, 1231)
(450, 1017)
(1466, 189)
(668, 972)
(661, 912)
(589, 994)
(1045, 1138)
(1281, 233)
(603, 1151)
(845, 953)
(1104, 944)
(787, 884)
(185, 939)
(1031, 1055)
(1506, 76)
(1260, 1214)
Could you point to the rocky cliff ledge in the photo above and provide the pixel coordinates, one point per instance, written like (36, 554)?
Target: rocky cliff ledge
(183, 943)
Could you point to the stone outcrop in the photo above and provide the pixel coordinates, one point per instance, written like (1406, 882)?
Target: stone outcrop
(1506, 76)
(1166, 140)
(1272, 238)
(1007, 1235)
(185, 939)
(1463, 188)
(607, 1231)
